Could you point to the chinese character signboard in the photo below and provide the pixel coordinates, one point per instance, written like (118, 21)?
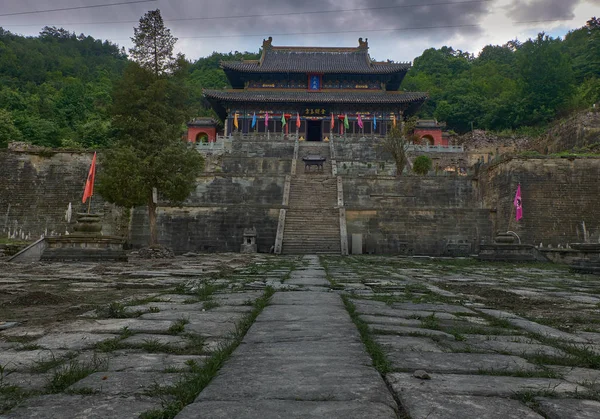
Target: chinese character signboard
(315, 112)
(314, 82)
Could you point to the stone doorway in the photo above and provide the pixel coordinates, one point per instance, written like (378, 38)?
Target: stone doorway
(313, 131)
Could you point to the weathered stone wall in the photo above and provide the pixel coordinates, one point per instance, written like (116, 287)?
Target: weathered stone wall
(560, 197)
(434, 215)
(208, 229)
(416, 215)
(240, 189)
(36, 188)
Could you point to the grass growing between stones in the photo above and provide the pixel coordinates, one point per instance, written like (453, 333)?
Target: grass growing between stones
(578, 355)
(12, 396)
(380, 361)
(176, 397)
(116, 310)
(111, 345)
(74, 371)
(178, 326)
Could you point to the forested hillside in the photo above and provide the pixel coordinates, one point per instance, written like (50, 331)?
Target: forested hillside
(56, 89)
(514, 86)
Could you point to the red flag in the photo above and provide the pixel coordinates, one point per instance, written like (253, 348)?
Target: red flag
(89, 184)
(297, 120)
(332, 123)
(518, 204)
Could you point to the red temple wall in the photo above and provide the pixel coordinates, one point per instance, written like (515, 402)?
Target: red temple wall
(193, 132)
(436, 134)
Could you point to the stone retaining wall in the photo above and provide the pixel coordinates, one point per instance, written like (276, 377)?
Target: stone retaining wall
(36, 188)
(561, 199)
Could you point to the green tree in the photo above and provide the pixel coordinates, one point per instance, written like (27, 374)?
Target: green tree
(8, 131)
(422, 165)
(396, 144)
(546, 78)
(153, 44)
(149, 110)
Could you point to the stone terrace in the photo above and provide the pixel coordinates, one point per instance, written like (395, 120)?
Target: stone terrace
(220, 336)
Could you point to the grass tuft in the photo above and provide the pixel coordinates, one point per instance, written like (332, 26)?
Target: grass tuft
(380, 361)
(74, 371)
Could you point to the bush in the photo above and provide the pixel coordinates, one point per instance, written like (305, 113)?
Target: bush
(422, 165)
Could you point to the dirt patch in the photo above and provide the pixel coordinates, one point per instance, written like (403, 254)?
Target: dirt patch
(38, 298)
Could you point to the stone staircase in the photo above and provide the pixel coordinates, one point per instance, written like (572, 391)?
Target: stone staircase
(312, 221)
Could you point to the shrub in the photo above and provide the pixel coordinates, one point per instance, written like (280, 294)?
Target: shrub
(422, 165)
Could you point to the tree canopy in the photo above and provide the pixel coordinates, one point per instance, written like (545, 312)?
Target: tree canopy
(148, 112)
(513, 86)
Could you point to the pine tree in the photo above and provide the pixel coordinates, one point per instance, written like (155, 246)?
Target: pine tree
(153, 44)
(149, 108)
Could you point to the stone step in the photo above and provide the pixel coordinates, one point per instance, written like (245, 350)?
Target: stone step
(303, 222)
(287, 249)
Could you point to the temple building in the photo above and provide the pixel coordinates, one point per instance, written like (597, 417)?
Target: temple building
(314, 93)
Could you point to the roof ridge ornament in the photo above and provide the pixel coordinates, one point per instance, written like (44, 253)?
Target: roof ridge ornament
(363, 44)
(268, 43)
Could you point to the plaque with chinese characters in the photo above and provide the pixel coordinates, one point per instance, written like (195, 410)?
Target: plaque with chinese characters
(314, 82)
(315, 112)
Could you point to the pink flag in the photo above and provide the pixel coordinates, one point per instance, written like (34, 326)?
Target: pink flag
(360, 122)
(266, 119)
(518, 204)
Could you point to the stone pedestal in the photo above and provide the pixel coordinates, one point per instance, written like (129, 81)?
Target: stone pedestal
(510, 253)
(249, 244)
(588, 260)
(86, 244)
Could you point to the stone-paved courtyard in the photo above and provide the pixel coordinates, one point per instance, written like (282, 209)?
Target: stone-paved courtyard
(239, 336)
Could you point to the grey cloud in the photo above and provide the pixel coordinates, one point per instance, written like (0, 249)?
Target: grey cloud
(524, 10)
(378, 17)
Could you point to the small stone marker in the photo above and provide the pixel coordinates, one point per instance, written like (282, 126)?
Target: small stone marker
(7, 325)
(422, 374)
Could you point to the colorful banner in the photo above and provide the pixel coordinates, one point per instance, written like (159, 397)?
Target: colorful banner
(518, 204)
(89, 183)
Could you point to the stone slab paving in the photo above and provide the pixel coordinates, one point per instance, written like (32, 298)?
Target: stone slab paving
(57, 406)
(302, 358)
(534, 327)
(473, 359)
(72, 341)
(119, 383)
(134, 360)
(27, 360)
(422, 405)
(112, 364)
(570, 408)
(486, 338)
(287, 409)
(479, 385)
(396, 346)
(464, 363)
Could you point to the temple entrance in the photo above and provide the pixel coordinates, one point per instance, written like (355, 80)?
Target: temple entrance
(313, 131)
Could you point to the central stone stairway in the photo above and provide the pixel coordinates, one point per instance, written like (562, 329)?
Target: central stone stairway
(312, 221)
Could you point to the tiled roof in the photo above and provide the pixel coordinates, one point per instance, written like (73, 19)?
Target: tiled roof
(279, 96)
(315, 60)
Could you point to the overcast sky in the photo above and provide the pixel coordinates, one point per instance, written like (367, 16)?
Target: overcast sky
(397, 29)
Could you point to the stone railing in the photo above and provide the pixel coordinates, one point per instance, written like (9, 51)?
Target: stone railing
(436, 148)
(425, 148)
